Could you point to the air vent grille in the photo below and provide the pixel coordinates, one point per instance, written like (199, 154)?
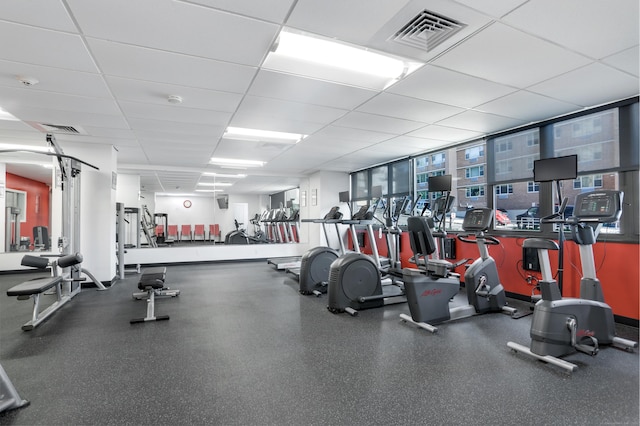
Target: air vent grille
(58, 128)
(61, 129)
(427, 30)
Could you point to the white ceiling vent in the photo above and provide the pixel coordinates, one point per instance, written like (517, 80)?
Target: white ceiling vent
(58, 129)
(427, 30)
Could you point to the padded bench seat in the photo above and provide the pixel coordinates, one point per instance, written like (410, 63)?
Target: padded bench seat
(152, 284)
(153, 277)
(36, 286)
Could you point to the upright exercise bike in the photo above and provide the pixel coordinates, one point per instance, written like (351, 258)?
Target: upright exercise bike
(430, 289)
(561, 325)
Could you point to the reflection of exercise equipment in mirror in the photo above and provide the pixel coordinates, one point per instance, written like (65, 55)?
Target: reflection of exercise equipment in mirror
(41, 239)
(127, 232)
(161, 223)
(68, 282)
(12, 229)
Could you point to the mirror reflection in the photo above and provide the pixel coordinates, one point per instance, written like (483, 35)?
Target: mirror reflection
(26, 207)
(186, 220)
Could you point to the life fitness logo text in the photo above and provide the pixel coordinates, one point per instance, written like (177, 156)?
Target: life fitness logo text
(585, 333)
(431, 292)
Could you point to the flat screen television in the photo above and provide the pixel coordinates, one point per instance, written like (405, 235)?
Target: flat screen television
(559, 168)
(223, 202)
(376, 191)
(343, 196)
(439, 183)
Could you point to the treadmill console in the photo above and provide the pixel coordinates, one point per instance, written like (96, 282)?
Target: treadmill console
(603, 206)
(363, 213)
(334, 213)
(478, 219)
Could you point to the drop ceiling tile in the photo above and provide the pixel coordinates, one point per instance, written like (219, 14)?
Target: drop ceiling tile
(140, 63)
(511, 57)
(54, 80)
(597, 84)
(21, 97)
(355, 21)
(42, 47)
(247, 150)
(254, 106)
(481, 122)
(317, 144)
(177, 113)
(120, 134)
(404, 107)
(411, 143)
(177, 27)
(492, 7)
(349, 134)
(46, 14)
(155, 128)
(132, 155)
(69, 118)
(443, 133)
(269, 10)
(627, 60)
(288, 87)
(527, 106)
(157, 93)
(599, 30)
(378, 123)
(449, 87)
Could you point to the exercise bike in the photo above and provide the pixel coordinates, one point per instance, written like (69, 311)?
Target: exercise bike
(430, 288)
(561, 325)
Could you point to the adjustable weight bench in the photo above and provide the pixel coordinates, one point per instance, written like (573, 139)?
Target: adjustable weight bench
(152, 284)
(34, 288)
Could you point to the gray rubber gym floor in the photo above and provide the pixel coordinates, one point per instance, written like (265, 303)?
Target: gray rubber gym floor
(244, 348)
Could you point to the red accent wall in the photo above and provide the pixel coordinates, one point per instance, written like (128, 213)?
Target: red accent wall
(616, 267)
(33, 189)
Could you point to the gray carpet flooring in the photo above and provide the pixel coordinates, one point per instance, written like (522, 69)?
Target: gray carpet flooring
(243, 347)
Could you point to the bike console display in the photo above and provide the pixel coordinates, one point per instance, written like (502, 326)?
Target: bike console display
(603, 206)
(477, 219)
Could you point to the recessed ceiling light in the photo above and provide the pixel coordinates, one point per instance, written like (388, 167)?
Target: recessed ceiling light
(239, 133)
(4, 115)
(215, 184)
(327, 59)
(209, 190)
(225, 175)
(234, 162)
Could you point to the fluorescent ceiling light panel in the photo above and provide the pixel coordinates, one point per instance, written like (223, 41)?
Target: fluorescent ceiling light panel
(327, 59)
(225, 175)
(25, 147)
(209, 190)
(234, 162)
(4, 115)
(214, 184)
(239, 133)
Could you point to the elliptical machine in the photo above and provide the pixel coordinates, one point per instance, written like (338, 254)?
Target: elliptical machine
(315, 263)
(562, 326)
(356, 279)
(430, 289)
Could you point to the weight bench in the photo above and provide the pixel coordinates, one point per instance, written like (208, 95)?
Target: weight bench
(36, 287)
(152, 284)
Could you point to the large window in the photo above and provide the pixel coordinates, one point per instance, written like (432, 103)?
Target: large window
(594, 138)
(499, 172)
